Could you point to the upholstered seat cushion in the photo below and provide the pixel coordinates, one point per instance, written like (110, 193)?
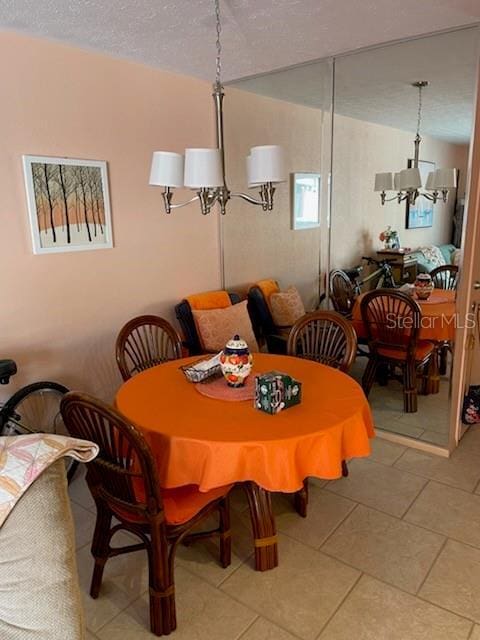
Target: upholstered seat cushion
(40, 597)
(424, 349)
(181, 504)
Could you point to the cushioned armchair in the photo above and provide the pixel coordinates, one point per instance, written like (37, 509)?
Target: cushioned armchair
(263, 325)
(183, 312)
(425, 264)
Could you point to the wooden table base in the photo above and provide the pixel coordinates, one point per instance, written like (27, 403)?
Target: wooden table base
(263, 525)
(433, 380)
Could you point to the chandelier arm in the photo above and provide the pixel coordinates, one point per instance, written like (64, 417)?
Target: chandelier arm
(250, 199)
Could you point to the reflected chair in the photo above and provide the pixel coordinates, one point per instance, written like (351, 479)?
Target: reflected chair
(445, 277)
(328, 338)
(124, 483)
(144, 342)
(393, 321)
(183, 313)
(342, 293)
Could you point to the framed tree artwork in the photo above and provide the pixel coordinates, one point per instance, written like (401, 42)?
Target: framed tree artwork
(420, 214)
(68, 204)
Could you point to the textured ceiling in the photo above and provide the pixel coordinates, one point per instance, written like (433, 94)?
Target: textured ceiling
(259, 35)
(375, 85)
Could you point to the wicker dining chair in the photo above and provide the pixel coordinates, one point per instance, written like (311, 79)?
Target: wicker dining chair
(328, 338)
(124, 484)
(445, 277)
(144, 342)
(342, 293)
(393, 321)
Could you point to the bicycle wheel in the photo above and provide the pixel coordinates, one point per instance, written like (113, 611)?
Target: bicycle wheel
(36, 409)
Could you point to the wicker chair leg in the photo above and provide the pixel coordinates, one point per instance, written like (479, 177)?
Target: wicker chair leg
(100, 547)
(344, 469)
(410, 388)
(225, 533)
(162, 591)
(369, 375)
(443, 360)
(301, 500)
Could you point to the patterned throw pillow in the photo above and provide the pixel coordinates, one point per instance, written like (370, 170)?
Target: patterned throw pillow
(287, 307)
(217, 326)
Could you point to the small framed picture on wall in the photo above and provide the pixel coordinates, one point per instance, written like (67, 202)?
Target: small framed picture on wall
(305, 191)
(68, 204)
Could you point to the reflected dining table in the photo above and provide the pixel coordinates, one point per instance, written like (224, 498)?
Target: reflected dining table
(208, 442)
(438, 324)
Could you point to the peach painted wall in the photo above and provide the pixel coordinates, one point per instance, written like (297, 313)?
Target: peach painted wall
(60, 313)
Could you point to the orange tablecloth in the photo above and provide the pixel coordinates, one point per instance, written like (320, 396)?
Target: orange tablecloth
(438, 316)
(210, 443)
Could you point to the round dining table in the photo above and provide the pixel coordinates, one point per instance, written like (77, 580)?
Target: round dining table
(438, 324)
(209, 442)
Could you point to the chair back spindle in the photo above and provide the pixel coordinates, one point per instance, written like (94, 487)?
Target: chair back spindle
(445, 277)
(145, 342)
(325, 337)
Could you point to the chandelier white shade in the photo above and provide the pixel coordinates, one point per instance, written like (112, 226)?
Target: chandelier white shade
(167, 169)
(204, 169)
(408, 182)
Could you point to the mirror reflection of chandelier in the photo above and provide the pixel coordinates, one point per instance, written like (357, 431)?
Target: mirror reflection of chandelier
(408, 181)
(203, 170)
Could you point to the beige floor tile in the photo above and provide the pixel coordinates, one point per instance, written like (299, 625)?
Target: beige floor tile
(435, 437)
(453, 581)
(461, 470)
(262, 629)
(449, 511)
(378, 486)
(376, 611)
(385, 547)
(300, 594)
(394, 426)
(203, 613)
(471, 441)
(202, 557)
(78, 490)
(124, 580)
(325, 511)
(84, 524)
(385, 452)
(90, 636)
(475, 633)
(430, 417)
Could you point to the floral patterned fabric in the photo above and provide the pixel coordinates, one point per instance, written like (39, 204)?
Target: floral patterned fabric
(432, 254)
(24, 458)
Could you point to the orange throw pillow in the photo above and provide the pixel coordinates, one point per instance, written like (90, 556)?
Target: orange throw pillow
(287, 307)
(217, 326)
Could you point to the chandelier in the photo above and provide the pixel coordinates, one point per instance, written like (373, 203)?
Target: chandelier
(203, 170)
(408, 181)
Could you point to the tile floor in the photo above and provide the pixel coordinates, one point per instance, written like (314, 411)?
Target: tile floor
(429, 423)
(390, 553)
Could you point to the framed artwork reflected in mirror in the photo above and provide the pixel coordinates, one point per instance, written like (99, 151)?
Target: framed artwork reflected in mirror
(305, 192)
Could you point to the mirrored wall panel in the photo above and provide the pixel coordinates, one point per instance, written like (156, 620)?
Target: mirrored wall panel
(291, 108)
(384, 97)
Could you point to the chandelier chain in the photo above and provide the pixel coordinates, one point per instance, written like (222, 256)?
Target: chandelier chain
(419, 114)
(218, 43)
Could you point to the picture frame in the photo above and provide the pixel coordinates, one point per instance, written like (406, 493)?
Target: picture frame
(305, 191)
(68, 204)
(420, 214)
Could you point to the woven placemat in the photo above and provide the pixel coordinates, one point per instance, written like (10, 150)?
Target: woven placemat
(219, 390)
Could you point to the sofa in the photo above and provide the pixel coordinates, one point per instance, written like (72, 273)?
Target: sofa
(431, 256)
